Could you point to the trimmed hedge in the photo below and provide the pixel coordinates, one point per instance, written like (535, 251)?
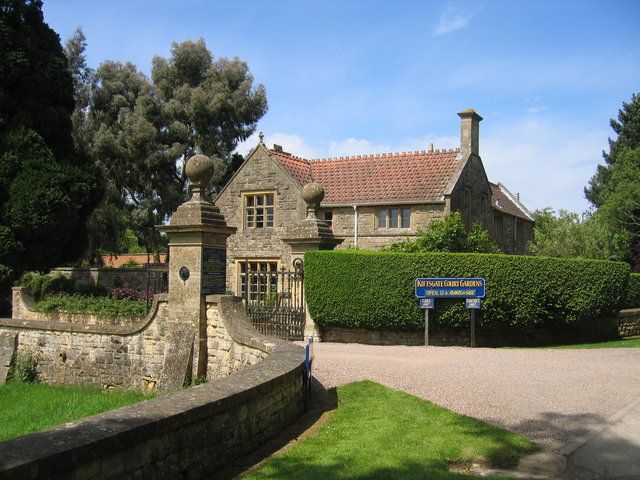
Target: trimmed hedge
(375, 290)
(633, 292)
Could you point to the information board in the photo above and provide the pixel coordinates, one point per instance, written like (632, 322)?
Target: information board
(429, 303)
(472, 303)
(450, 287)
(214, 268)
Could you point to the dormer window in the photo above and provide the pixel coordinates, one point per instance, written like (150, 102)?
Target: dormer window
(259, 210)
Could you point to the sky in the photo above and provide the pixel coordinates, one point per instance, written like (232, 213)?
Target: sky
(347, 77)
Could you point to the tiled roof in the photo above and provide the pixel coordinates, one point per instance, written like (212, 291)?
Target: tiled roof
(380, 178)
(503, 201)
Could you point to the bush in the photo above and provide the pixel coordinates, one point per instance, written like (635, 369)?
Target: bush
(127, 293)
(448, 235)
(40, 286)
(102, 306)
(632, 299)
(375, 290)
(24, 367)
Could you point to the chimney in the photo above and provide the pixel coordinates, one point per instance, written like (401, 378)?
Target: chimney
(277, 148)
(431, 148)
(469, 131)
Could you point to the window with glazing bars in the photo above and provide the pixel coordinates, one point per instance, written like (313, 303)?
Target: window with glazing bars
(263, 279)
(394, 217)
(259, 210)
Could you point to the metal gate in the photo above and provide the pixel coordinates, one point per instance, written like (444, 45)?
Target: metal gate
(274, 298)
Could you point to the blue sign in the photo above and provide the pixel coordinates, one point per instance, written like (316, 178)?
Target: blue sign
(450, 287)
(429, 303)
(472, 303)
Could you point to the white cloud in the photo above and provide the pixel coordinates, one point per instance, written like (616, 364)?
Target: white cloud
(452, 21)
(548, 163)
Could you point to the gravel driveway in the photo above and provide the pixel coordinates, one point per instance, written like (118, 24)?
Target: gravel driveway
(551, 396)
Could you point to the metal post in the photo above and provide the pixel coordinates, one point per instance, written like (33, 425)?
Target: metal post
(473, 328)
(426, 327)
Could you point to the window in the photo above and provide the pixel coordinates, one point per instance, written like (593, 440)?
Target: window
(263, 278)
(394, 217)
(328, 218)
(259, 210)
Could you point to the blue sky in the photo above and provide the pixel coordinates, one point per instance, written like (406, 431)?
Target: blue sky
(350, 77)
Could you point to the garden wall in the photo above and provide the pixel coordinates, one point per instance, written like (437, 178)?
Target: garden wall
(105, 277)
(625, 324)
(190, 434)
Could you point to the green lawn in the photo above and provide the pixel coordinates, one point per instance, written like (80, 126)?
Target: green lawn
(379, 433)
(29, 407)
(633, 342)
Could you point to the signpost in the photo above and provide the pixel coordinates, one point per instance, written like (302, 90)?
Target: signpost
(427, 304)
(471, 289)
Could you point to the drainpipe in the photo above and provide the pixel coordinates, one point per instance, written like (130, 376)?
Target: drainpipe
(355, 226)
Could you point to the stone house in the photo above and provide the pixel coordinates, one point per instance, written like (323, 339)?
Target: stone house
(369, 200)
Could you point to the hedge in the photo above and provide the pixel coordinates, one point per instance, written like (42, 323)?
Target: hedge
(375, 290)
(633, 292)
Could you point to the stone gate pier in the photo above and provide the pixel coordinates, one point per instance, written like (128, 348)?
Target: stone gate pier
(254, 382)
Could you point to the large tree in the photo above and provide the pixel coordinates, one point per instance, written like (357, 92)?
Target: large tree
(627, 128)
(47, 189)
(143, 131)
(614, 190)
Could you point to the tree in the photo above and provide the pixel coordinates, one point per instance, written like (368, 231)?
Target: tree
(36, 91)
(448, 235)
(614, 190)
(83, 78)
(46, 188)
(142, 132)
(566, 235)
(627, 127)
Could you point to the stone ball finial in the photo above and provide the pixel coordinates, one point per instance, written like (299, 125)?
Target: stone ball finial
(313, 193)
(199, 170)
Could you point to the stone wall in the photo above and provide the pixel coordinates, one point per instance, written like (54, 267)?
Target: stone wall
(99, 354)
(625, 324)
(472, 194)
(259, 173)
(108, 278)
(225, 355)
(22, 306)
(190, 434)
(88, 350)
(370, 237)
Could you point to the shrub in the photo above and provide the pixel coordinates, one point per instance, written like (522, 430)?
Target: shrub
(448, 235)
(24, 367)
(375, 290)
(632, 300)
(102, 306)
(127, 293)
(41, 286)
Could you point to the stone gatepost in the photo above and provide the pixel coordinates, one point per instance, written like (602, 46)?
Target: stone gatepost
(197, 268)
(310, 234)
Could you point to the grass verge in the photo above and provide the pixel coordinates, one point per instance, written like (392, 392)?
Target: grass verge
(633, 342)
(30, 407)
(379, 433)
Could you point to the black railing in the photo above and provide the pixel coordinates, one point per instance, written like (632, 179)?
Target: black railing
(274, 298)
(157, 280)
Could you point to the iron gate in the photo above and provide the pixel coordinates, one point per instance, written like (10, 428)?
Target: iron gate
(274, 298)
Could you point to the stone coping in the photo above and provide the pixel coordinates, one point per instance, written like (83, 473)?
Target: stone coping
(78, 442)
(128, 329)
(629, 312)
